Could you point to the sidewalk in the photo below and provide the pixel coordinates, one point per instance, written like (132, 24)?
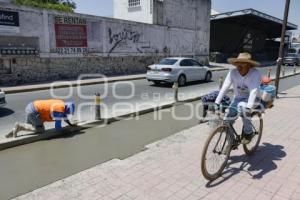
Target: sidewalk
(74, 83)
(170, 168)
(64, 84)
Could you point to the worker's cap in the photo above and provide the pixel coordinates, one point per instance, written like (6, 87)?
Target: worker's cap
(265, 80)
(69, 108)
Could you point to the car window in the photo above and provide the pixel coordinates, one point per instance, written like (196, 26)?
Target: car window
(196, 64)
(167, 61)
(186, 63)
(292, 51)
(299, 51)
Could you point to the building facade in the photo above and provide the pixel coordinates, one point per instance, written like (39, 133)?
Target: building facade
(39, 45)
(134, 10)
(173, 13)
(296, 39)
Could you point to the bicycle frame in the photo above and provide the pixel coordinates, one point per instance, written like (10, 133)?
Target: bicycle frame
(223, 139)
(230, 130)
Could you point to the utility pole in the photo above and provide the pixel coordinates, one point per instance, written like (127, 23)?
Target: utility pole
(280, 56)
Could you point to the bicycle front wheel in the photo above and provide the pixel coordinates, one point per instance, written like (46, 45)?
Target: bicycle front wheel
(257, 125)
(215, 153)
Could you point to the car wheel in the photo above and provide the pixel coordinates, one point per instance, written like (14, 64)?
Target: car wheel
(208, 77)
(181, 80)
(156, 82)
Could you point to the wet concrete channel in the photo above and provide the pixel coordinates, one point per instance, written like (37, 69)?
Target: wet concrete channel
(28, 167)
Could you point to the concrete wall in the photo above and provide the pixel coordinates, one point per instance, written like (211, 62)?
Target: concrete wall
(187, 14)
(31, 25)
(114, 46)
(34, 70)
(158, 12)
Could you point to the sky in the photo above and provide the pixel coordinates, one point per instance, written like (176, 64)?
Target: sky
(105, 7)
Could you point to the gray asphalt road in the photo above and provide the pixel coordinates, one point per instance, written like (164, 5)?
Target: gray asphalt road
(138, 91)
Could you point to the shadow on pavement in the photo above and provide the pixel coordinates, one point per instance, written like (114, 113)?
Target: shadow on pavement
(5, 112)
(257, 165)
(70, 133)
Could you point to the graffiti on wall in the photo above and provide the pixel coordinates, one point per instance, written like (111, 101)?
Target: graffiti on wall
(130, 40)
(122, 38)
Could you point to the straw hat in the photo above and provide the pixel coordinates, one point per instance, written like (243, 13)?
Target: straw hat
(243, 58)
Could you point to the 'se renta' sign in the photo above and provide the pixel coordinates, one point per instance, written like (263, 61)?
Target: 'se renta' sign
(70, 32)
(69, 20)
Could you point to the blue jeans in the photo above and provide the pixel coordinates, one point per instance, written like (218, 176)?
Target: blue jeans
(33, 118)
(236, 108)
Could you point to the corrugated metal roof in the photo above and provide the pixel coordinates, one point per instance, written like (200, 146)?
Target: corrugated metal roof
(252, 12)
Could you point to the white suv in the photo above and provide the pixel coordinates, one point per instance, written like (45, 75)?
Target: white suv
(2, 98)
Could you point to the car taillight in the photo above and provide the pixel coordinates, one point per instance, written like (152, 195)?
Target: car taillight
(166, 69)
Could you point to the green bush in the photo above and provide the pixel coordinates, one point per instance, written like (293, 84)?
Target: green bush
(47, 4)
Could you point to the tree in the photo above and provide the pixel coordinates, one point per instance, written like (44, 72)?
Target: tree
(61, 5)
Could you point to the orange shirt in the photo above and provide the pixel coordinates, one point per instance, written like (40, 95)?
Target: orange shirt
(46, 107)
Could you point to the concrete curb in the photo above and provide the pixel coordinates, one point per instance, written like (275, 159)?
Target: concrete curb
(219, 69)
(22, 89)
(10, 143)
(287, 76)
(47, 87)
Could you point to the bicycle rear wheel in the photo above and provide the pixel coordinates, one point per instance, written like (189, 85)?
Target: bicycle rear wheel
(257, 123)
(214, 157)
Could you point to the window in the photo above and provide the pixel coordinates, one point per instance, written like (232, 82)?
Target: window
(134, 3)
(167, 62)
(292, 51)
(195, 63)
(186, 63)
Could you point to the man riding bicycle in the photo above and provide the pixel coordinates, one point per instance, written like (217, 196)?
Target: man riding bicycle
(246, 82)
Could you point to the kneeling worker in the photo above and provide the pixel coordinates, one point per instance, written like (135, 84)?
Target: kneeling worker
(40, 111)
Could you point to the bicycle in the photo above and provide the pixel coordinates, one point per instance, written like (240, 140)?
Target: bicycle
(225, 135)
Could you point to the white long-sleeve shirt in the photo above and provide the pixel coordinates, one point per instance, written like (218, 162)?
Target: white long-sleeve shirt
(245, 87)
